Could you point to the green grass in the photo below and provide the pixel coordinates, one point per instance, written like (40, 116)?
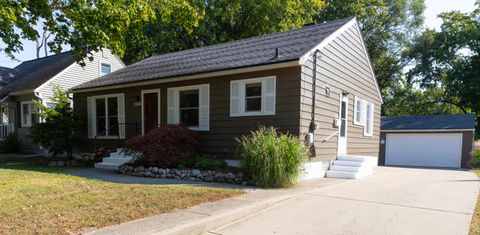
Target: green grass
(475, 226)
(47, 200)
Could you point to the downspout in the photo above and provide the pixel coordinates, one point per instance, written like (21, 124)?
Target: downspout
(313, 125)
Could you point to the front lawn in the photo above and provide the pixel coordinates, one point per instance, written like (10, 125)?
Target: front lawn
(475, 226)
(46, 200)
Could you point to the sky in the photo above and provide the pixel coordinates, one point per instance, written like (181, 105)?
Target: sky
(433, 8)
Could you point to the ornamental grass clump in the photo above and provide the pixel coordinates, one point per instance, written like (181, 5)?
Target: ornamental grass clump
(271, 159)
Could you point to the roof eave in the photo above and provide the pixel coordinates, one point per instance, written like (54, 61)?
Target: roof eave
(255, 68)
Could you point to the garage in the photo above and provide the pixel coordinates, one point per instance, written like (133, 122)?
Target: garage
(443, 141)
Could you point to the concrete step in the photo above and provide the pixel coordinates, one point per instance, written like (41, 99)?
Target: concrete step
(106, 165)
(344, 175)
(370, 160)
(350, 163)
(120, 160)
(118, 155)
(351, 169)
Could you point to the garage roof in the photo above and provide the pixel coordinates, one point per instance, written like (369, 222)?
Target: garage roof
(429, 122)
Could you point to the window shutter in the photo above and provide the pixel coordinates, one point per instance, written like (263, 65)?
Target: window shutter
(235, 98)
(121, 116)
(92, 125)
(171, 106)
(204, 109)
(269, 96)
(370, 119)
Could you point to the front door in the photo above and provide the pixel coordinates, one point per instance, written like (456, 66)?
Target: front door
(342, 125)
(150, 110)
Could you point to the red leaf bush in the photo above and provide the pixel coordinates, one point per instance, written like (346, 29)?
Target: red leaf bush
(162, 146)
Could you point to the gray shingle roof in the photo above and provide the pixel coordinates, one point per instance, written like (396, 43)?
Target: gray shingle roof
(446, 121)
(7, 75)
(31, 74)
(231, 55)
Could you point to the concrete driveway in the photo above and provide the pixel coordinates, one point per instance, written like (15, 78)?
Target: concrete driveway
(393, 201)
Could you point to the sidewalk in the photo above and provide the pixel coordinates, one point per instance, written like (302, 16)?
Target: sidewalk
(202, 218)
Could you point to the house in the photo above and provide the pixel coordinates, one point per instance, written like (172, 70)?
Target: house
(427, 141)
(35, 79)
(226, 90)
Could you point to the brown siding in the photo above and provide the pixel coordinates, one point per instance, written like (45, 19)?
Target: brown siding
(23, 132)
(467, 145)
(220, 140)
(342, 66)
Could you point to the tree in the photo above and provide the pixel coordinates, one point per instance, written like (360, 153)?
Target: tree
(94, 24)
(388, 26)
(450, 59)
(57, 131)
(221, 21)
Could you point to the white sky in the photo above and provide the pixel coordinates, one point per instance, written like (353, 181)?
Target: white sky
(433, 8)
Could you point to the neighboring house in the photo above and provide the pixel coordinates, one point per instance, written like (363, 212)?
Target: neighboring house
(227, 90)
(35, 79)
(427, 141)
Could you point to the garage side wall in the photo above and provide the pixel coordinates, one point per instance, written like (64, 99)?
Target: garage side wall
(467, 145)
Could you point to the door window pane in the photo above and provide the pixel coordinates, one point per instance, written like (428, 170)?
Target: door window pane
(253, 97)
(101, 115)
(343, 121)
(189, 107)
(26, 114)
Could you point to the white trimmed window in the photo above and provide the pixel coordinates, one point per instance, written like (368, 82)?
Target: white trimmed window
(364, 115)
(106, 114)
(28, 116)
(105, 69)
(253, 97)
(189, 105)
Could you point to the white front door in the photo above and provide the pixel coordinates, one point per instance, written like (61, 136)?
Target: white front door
(342, 125)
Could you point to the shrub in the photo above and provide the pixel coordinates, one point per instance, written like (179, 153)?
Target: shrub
(202, 162)
(57, 132)
(271, 159)
(162, 146)
(474, 159)
(10, 144)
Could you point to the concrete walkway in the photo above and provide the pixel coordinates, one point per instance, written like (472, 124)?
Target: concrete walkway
(393, 201)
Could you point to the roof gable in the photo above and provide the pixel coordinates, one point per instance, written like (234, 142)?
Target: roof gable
(256, 51)
(31, 74)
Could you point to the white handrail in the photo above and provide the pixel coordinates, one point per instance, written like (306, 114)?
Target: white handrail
(330, 136)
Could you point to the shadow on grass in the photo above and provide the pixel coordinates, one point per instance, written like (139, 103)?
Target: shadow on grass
(115, 177)
(40, 164)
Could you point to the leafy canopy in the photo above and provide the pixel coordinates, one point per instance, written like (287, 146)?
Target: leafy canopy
(388, 26)
(220, 21)
(81, 23)
(450, 59)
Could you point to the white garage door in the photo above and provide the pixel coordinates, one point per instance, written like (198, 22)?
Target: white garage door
(430, 150)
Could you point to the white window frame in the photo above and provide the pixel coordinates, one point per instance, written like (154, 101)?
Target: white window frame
(366, 116)
(7, 114)
(29, 120)
(143, 111)
(242, 97)
(359, 109)
(120, 115)
(100, 68)
(369, 119)
(176, 106)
